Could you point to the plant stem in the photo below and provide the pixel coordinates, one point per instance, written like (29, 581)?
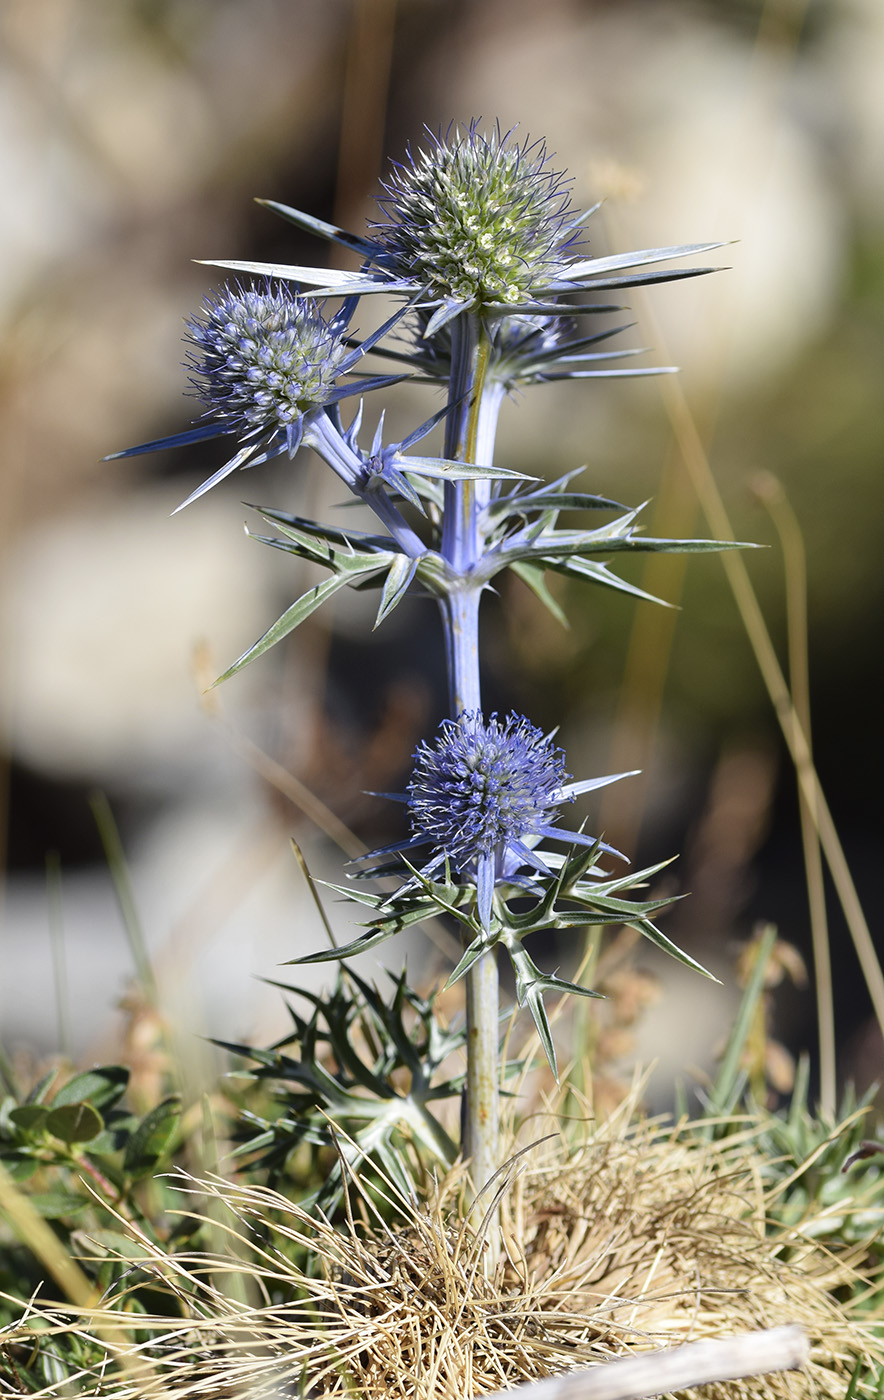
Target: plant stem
(460, 618)
(461, 548)
(482, 1123)
(322, 435)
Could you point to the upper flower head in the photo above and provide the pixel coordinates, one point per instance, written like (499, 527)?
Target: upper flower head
(477, 219)
(264, 358)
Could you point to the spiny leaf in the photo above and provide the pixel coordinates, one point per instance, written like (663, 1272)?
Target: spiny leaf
(310, 224)
(369, 939)
(548, 500)
(653, 934)
(297, 613)
(589, 267)
(399, 576)
(323, 281)
(532, 575)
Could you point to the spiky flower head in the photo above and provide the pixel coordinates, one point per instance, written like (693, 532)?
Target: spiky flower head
(476, 218)
(484, 784)
(263, 358)
(482, 795)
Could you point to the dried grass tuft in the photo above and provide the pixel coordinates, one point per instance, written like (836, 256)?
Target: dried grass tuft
(642, 1236)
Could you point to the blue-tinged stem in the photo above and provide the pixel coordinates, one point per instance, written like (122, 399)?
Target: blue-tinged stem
(321, 434)
(460, 618)
(492, 399)
(461, 548)
(392, 518)
(460, 542)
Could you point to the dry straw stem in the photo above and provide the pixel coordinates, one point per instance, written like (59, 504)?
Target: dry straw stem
(771, 494)
(637, 1237)
(713, 507)
(677, 1368)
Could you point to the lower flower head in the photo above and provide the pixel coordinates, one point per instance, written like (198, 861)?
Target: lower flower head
(478, 219)
(263, 358)
(484, 784)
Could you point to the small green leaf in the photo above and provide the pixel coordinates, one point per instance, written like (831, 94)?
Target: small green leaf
(590, 572)
(101, 1087)
(653, 934)
(367, 940)
(152, 1138)
(56, 1205)
(74, 1122)
(533, 999)
(532, 575)
(534, 501)
(118, 1128)
(477, 949)
(40, 1090)
(18, 1165)
(29, 1118)
(446, 469)
(302, 609)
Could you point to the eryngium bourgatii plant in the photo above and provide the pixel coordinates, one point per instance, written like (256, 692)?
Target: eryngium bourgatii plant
(480, 246)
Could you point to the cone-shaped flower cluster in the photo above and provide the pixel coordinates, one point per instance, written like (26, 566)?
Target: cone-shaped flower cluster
(483, 795)
(477, 219)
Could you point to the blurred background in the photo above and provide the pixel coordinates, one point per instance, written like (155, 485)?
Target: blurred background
(134, 135)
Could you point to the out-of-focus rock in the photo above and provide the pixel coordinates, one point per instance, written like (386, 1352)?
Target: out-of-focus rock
(100, 616)
(712, 147)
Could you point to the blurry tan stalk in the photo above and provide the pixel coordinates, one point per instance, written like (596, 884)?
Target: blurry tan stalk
(650, 643)
(770, 492)
(697, 463)
(363, 110)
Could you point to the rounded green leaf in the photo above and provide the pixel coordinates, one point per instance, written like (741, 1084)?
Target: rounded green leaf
(18, 1165)
(118, 1128)
(56, 1205)
(29, 1118)
(74, 1122)
(101, 1087)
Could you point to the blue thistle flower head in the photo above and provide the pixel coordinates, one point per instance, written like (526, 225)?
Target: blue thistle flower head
(478, 219)
(268, 366)
(483, 794)
(264, 358)
(484, 785)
